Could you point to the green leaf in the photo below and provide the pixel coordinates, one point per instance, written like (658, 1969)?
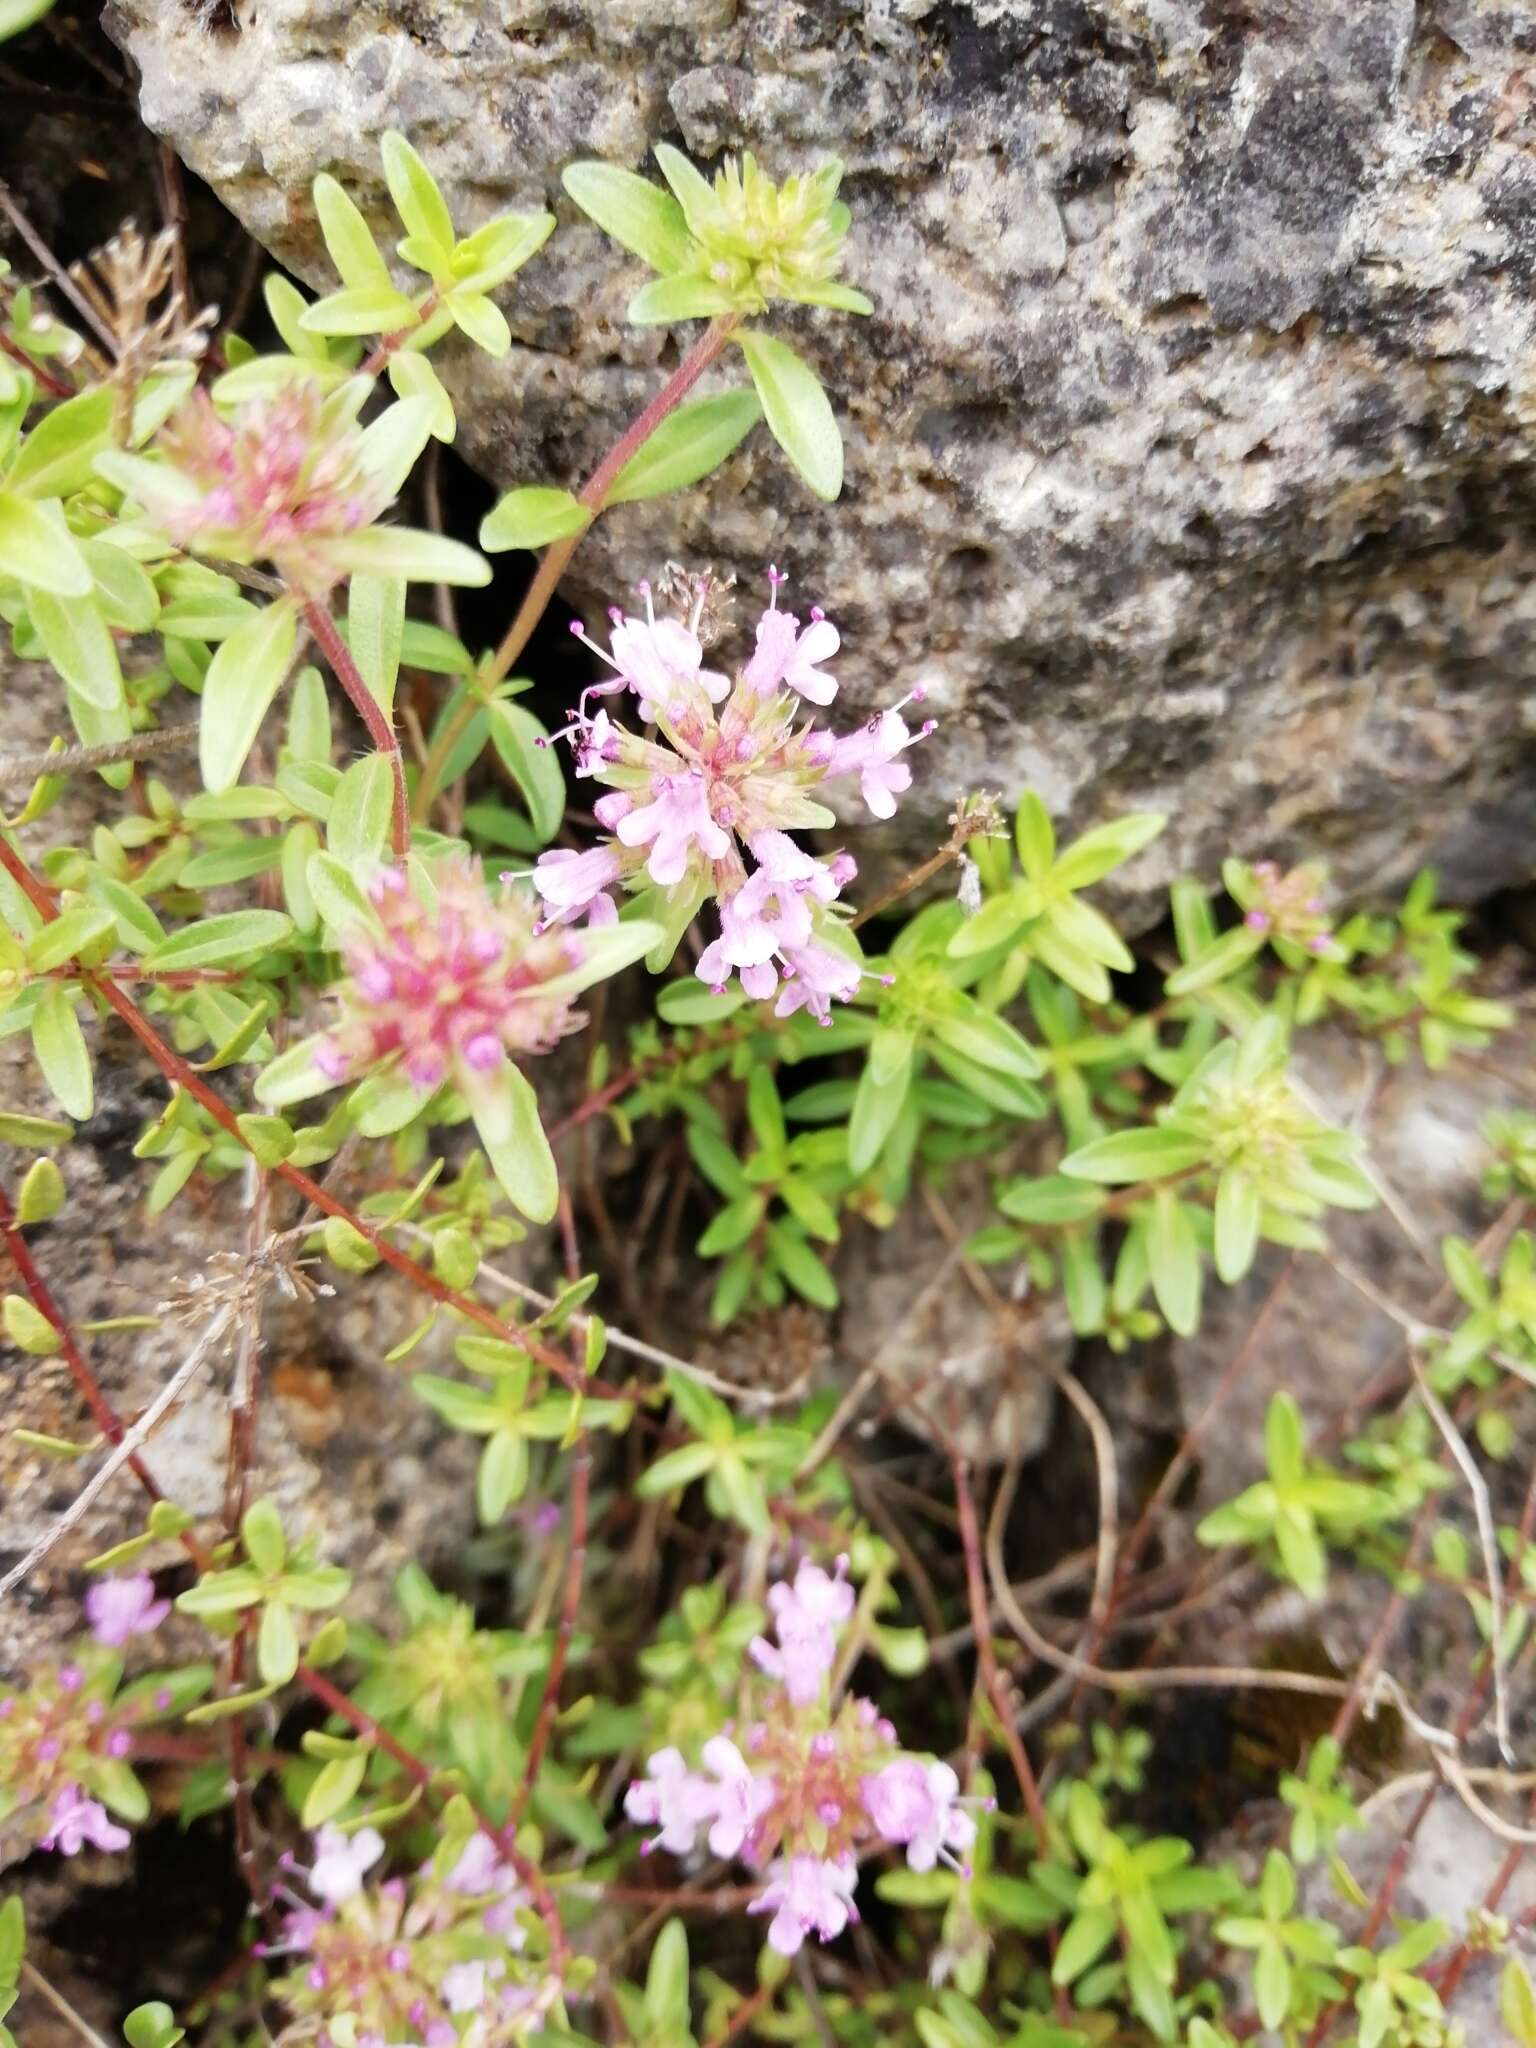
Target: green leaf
(32, 1131)
(666, 1980)
(69, 934)
(1238, 1209)
(1285, 1441)
(1175, 1257)
(689, 1002)
(1105, 848)
(635, 212)
(348, 238)
(490, 255)
(412, 376)
(218, 941)
(408, 551)
(28, 1328)
(506, 1114)
(59, 1044)
(375, 624)
(502, 1475)
(360, 811)
(801, 1267)
(684, 449)
(58, 456)
(38, 549)
(333, 1788)
(482, 320)
(522, 745)
(666, 299)
(1087, 1936)
(1517, 2003)
(880, 1097)
(15, 15)
(765, 1113)
(1052, 1199)
(42, 1193)
(797, 410)
(689, 185)
(1230, 952)
(989, 1041)
(531, 517)
(277, 1645)
(1035, 836)
(261, 1531)
(418, 202)
(244, 676)
(997, 922)
(1151, 1153)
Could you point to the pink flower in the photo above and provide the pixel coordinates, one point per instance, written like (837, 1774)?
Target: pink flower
(341, 1860)
(918, 1804)
(74, 1820)
(448, 988)
(481, 1871)
(807, 1895)
(786, 655)
(728, 769)
(659, 659)
(672, 824)
(574, 884)
(671, 1797)
(478, 1869)
(872, 753)
(741, 1797)
(122, 1607)
(818, 978)
(463, 1985)
(806, 1618)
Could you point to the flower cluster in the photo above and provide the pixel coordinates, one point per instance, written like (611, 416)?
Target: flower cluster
(810, 1785)
(1284, 904)
(728, 776)
(63, 1740)
(277, 482)
(405, 1963)
(448, 987)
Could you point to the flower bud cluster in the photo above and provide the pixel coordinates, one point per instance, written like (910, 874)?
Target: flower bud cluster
(275, 482)
(727, 777)
(449, 987)
(411, 1961)
(1287, 905)
(811, 1785)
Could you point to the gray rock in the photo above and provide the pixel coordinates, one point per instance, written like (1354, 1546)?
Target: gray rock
(1190, 444)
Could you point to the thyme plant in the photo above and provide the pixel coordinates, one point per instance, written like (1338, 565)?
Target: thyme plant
(752, 1811)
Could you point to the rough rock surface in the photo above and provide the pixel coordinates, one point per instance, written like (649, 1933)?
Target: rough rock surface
(1190, 445)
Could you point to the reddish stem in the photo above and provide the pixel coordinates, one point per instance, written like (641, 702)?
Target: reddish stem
(55, 386)
(177, 1071)
(553, 561)
(102, 1412)
(369, 710)
(421, 1773)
